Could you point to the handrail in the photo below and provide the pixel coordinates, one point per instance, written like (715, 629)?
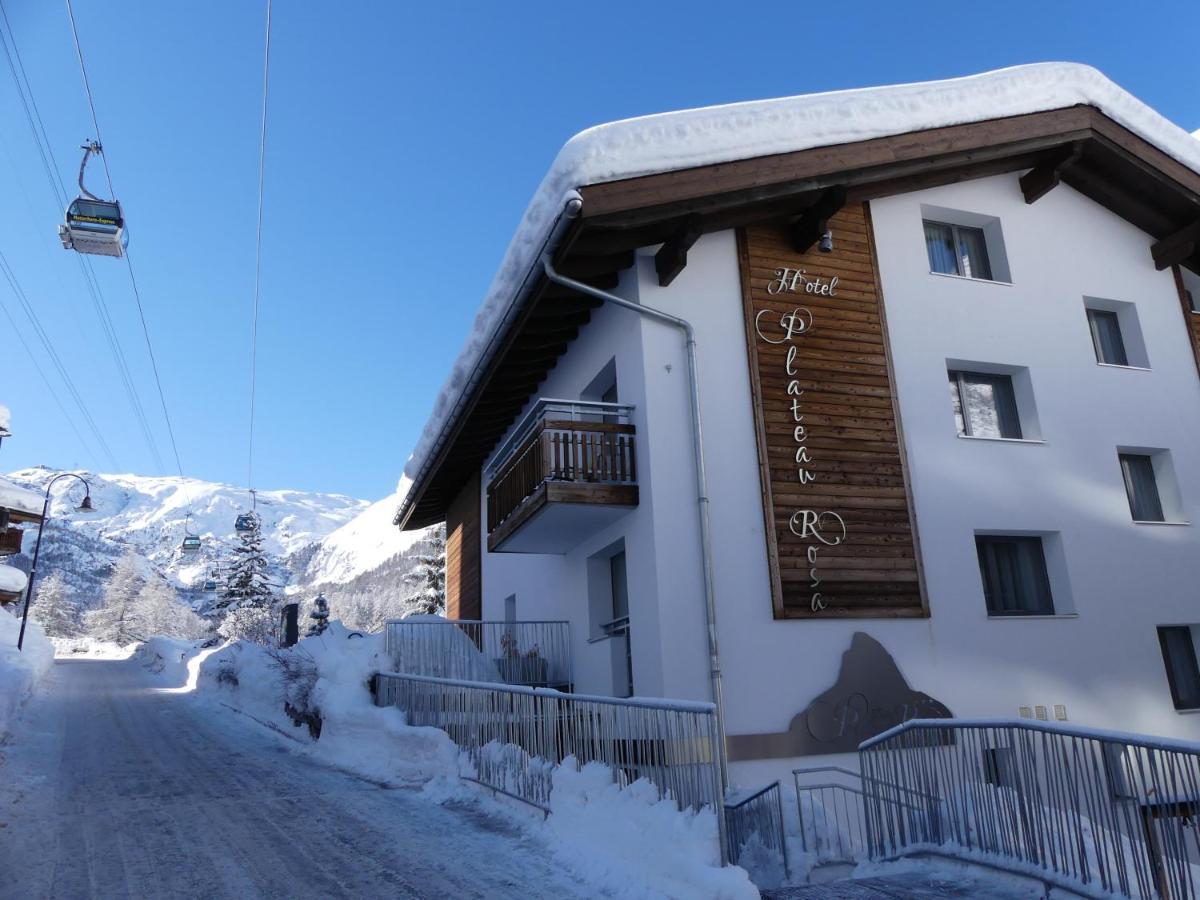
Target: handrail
(1080, 731)
(537, 412)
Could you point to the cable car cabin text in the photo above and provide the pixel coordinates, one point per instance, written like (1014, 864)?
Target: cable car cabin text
(95, 227)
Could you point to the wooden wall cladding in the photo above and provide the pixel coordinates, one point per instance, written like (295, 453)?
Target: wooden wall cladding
(464, 552)
(840, 531)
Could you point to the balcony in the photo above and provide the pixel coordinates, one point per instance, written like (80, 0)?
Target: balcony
(568, 470)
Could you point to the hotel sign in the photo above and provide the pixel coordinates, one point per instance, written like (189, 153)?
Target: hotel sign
(840, 536)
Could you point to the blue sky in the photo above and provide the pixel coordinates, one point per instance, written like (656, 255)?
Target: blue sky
(405, 141)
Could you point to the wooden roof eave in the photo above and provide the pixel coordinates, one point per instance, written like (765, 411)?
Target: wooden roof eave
(1107, 162)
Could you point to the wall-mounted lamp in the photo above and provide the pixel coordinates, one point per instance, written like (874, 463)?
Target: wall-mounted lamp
(826, 245)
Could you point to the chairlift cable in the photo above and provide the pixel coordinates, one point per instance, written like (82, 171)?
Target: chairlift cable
(262, 156)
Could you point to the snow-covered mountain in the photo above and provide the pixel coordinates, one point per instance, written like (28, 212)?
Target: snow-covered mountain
(149, 515)
(363, 544)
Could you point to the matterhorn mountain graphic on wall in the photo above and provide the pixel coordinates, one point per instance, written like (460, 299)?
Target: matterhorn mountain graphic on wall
(869, 697)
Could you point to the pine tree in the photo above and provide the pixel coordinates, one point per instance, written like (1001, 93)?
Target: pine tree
(428, 576)
(248, 602)
(53, 608)
(246, 584)
(118, 619)
(320, 617)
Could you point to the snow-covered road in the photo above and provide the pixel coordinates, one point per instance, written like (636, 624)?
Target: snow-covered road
(110, 788)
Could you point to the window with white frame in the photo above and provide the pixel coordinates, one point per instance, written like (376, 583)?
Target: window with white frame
(1179, 657)
(957, 250)
(1015, 579)
(1141, 486)
(1116, 333)
(1106, 337)
(985, 404)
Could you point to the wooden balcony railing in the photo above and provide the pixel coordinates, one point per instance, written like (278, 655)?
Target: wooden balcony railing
(553, 450)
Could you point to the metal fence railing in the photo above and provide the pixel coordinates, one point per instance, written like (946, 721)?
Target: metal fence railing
(832, 815)
(536, 654)
(515, 735)
(1112, 814)
(757, 819)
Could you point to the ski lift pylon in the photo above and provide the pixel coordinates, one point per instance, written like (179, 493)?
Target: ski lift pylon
(92, 225)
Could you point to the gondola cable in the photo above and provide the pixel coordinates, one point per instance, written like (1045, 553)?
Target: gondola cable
(262, 156)
(162, 397)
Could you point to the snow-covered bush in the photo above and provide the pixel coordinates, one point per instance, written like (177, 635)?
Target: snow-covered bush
(20, 670)
(254, 624)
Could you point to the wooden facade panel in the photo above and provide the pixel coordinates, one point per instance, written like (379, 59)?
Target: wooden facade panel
(841, 535)
(464, 553)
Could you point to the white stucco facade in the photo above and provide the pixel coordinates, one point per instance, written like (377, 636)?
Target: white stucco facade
(1113, 580)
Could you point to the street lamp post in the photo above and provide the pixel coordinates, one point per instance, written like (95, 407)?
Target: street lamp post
(85, 506)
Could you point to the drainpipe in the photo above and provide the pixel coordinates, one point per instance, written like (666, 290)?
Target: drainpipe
(710, 604)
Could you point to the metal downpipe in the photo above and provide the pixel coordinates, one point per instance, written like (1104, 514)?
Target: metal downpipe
(702, 502)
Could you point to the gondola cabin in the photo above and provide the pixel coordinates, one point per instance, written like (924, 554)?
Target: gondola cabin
(245, 522)
(191, 544)
(95, 227)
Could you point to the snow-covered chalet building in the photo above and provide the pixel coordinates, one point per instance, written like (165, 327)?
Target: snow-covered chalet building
(945, 370)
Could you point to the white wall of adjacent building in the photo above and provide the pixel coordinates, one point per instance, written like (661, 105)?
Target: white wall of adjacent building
(1113, 580)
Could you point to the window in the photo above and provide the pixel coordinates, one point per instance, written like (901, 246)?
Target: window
(1015, 582)
(1141, 486)
(957, 250)
(1106, 337)
(984, 405)
(1179, 656)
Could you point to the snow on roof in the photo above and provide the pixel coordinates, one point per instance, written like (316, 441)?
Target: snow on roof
(12, 581)
(13, 496)
(716, 134)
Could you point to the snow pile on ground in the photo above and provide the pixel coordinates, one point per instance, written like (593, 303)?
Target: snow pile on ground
(89, 648)
(167, 658)
(328, 676)
(696, 137)
(630, 838)
(20, 670)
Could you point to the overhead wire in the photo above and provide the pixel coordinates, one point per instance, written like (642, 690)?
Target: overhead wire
(45, 150)
(162, 397)
(262, 158)
(52, 354)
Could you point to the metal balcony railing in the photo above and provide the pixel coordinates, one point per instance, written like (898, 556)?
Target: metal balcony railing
(563, 441)
(536, 654)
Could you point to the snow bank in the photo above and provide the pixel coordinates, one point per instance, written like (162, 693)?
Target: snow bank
(12, 580)
(20, 671)
(329, 675)
(167, 658)
(632, 840)
(716, 134)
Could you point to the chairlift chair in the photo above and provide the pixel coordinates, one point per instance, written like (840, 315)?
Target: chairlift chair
(93, 226)
(191, 541)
